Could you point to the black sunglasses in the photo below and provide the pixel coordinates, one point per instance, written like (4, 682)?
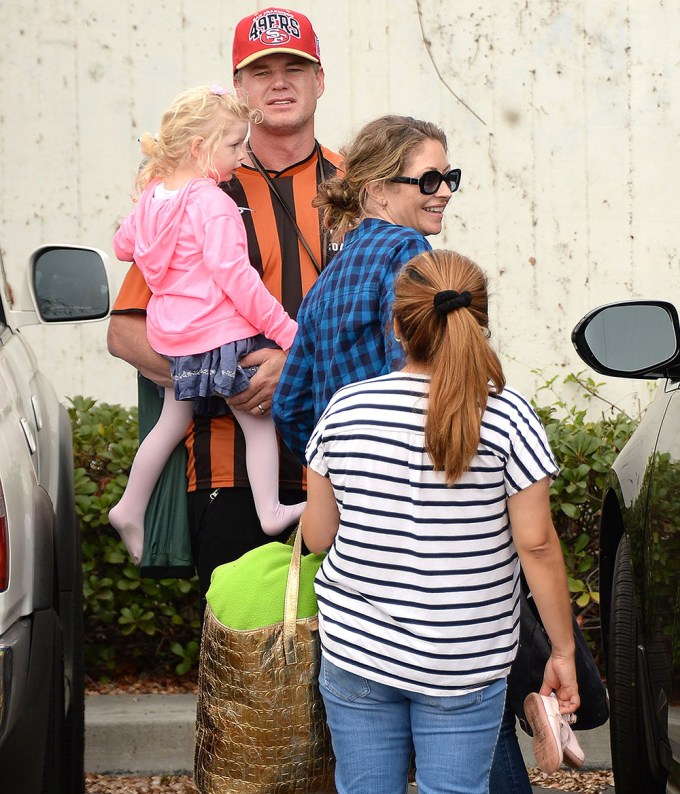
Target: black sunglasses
(430, 182)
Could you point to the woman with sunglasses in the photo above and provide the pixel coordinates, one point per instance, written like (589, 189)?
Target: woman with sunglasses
(396, 185)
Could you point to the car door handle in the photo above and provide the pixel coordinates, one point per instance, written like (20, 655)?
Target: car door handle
(28, 434)
(35, 402)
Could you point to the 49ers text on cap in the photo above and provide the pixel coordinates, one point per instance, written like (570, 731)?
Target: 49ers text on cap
(274, 30)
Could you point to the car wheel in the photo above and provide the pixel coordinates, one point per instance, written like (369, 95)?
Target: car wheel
(74, 719)
(63, 770)
(70, 598)
(632, 772)
(52, 767)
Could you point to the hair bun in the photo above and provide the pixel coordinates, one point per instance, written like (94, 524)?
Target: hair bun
(148, 144)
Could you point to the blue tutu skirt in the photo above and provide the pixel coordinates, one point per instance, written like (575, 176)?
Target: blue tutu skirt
(207, 378)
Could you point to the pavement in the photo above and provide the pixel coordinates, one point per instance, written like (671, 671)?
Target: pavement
(154, 734)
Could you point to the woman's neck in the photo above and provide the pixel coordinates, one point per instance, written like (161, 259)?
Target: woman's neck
(415, 368)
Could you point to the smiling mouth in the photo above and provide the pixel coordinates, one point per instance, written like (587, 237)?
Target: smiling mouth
(435, 210)
(279, 102)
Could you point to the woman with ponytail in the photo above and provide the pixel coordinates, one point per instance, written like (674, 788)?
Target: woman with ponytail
(429, 486)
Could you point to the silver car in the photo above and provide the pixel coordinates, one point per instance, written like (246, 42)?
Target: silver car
(41, 617)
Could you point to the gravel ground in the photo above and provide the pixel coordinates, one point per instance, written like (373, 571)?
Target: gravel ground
(591, 782)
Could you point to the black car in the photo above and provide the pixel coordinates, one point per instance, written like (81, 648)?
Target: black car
(640, 546)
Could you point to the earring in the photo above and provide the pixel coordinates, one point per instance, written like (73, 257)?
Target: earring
(398, 338)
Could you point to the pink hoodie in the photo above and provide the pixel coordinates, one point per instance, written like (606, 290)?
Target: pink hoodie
(192, 251)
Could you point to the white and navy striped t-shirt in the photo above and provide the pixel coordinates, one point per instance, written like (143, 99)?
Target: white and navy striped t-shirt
(419, 590)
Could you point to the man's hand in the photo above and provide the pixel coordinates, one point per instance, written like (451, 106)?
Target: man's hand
(257, 398)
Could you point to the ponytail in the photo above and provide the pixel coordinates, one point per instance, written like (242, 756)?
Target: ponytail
(441, 310)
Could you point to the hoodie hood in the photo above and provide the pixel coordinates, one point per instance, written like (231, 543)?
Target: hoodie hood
(158, 227)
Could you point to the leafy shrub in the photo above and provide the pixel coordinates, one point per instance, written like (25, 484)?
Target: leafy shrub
(584, 450)
(159, 619)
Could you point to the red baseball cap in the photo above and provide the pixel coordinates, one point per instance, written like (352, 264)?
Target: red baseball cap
(274, 30)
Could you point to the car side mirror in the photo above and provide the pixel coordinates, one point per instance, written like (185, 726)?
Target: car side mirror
(630, 339)
(69, 284)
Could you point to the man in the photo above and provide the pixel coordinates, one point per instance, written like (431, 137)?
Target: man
(277, 68)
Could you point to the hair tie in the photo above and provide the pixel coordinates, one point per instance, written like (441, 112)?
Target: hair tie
(449, 300)
(219, 90)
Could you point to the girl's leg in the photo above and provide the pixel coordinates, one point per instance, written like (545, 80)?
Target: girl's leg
(454, 739)
(262, 462)
(370, 732)
(127, 517)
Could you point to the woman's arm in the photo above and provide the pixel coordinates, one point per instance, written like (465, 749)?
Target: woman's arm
(293, 401)
(543, 564)
(320, 520)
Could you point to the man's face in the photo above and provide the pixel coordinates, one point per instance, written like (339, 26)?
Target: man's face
(285, 88)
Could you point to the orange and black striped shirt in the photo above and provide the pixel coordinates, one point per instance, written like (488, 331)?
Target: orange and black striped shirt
(216, 446)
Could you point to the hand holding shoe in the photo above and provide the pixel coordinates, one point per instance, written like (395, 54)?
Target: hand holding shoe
(554, 740)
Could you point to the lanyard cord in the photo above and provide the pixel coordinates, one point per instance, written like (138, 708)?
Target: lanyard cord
(272, 187)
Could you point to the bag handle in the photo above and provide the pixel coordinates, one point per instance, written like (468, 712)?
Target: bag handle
(290, 603)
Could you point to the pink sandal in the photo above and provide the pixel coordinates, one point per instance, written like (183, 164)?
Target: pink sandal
(554, 740)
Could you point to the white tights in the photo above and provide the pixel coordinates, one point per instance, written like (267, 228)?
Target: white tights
(262, 463)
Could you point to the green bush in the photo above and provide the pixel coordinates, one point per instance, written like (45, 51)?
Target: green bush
(584, 450)
(159, 619)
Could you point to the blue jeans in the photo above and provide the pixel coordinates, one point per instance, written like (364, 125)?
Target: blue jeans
(375, 727)
(508, 773)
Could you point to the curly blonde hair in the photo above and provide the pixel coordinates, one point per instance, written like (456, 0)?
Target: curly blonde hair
(204, 112)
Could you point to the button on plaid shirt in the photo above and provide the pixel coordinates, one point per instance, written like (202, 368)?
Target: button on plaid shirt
(345, 327)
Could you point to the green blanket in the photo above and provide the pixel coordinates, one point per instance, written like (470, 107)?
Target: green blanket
(249, 592)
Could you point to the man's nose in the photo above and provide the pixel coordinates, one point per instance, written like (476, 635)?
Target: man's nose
(279, 78)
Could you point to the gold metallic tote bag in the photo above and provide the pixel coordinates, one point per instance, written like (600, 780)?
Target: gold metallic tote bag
(260, 722)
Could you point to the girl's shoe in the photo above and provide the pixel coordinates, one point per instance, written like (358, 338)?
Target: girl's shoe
(554, 740)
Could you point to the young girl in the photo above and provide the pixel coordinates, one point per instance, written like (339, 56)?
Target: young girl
(209, 307)
(430, 486)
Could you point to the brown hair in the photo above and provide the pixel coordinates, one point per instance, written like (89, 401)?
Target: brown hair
(380, 151)
(453, 347)
(205, 112)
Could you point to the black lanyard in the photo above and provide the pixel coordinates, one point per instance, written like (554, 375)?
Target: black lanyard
(272, 187)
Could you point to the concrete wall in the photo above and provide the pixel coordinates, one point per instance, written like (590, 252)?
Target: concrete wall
(559, 113)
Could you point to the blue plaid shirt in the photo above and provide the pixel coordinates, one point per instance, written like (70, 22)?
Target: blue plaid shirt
(345, 327)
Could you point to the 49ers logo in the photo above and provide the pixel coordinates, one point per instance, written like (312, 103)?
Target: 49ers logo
(274, 29)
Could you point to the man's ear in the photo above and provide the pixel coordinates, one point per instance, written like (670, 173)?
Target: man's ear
(320, 82)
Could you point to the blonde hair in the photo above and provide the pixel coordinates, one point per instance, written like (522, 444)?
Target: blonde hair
(205, 112)
(454, 348)
(381, 150)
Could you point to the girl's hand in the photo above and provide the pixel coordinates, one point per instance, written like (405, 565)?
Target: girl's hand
(257, 398)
